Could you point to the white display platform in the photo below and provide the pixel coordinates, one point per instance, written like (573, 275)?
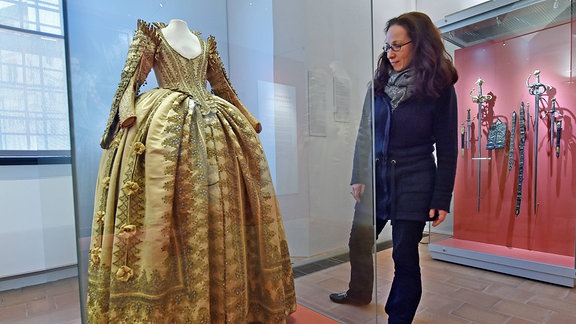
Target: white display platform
(546, 267)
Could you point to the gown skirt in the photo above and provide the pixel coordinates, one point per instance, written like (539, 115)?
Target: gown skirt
(187, 227)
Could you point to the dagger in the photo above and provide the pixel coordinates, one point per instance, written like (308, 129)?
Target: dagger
(462, 139)
(552, 113)
(558, 131)
(468, 130)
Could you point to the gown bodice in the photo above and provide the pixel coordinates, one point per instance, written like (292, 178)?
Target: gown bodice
(150, 50)
(176, 72)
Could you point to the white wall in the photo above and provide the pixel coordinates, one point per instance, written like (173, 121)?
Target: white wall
(37, 218)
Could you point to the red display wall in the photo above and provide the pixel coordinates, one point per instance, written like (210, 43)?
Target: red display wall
(504, 66)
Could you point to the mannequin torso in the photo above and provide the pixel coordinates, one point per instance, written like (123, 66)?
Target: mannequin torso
(181, 39)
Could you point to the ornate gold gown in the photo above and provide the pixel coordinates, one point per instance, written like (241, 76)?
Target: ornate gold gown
(186, 225)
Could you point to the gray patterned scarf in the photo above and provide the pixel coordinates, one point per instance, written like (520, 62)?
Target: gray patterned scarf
(400, 86)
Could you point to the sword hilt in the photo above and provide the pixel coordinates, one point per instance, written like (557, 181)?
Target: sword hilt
(480, 98)
(537, 87)
(553, 109)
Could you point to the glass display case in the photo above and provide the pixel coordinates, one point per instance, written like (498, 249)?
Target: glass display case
(514, 202)
(294, 65)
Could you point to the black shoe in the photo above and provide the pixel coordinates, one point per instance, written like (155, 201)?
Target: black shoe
(344, 298)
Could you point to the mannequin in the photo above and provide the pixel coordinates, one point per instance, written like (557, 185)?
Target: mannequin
(181, 39)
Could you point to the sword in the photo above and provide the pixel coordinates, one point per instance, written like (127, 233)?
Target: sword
(468, 130)
(552, 113)
(536, 90)
(528, 117)
(512, 135)
(522, 126)
(462, 138)
(479, 99)
(558, 131)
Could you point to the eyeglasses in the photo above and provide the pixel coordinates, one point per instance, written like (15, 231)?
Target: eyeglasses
(394, 47)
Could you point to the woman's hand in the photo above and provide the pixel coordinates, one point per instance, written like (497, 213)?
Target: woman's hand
(441, 216)
(357, 191)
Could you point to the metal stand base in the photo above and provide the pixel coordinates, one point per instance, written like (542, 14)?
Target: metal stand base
(474, 254)
(38, 278)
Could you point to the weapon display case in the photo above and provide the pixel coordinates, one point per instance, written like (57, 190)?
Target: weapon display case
(520, 223)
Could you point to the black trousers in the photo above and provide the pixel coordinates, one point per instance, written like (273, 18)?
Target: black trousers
(406, 290)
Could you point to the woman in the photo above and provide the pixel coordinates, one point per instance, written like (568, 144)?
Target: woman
(415, 112)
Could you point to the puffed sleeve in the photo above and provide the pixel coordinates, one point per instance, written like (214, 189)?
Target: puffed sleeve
(221, 85)
(139, 62)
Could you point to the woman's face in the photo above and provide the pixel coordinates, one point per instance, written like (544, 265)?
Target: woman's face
(399, 57)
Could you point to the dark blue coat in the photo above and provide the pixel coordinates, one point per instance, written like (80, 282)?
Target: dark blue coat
(409, 180)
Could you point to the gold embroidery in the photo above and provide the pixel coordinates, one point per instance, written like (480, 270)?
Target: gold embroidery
(95, 255)
(131, 187)
(127, 231)
(139, 148)
(100, 217)
(106, 183)
(124, 273)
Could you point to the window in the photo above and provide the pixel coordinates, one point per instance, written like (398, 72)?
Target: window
(33, 86)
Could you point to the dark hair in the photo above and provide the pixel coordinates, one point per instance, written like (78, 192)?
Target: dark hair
(432, 65)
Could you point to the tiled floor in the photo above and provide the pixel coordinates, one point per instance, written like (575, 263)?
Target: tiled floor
(51, 303)
(452, 294)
